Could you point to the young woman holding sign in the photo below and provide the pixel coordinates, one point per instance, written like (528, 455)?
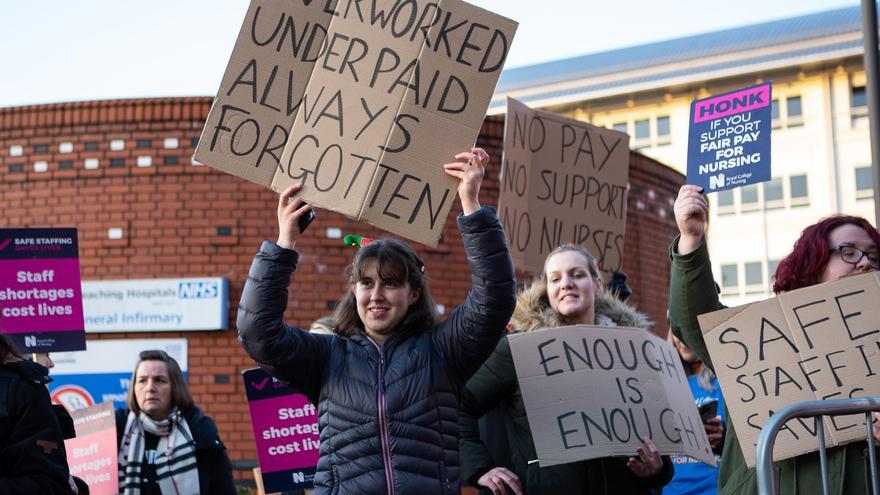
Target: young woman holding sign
(387, 382)
(568, 292)
(832, 248)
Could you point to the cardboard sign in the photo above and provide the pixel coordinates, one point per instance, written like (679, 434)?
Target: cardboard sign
(285, 431)
(102, 373)
(92, 454)
(729, 139)
(362, 102)
(597, 391)
(562, 181)
(40, 292)
(816, 343)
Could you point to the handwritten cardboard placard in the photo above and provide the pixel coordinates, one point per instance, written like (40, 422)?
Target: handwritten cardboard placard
(40, 290)
(361, 101)
(562, 181)
(285, 431)
(92, 454)
(815, 343)
(597, 391)
(729, 139)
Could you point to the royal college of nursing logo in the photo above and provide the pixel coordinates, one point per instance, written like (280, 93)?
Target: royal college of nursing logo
(716, 181)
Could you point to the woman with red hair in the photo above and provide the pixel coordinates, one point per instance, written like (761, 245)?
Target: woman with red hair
(834, 247)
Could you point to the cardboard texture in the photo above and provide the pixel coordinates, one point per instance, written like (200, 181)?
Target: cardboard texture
(562, 181)
(594, 392)
(361, 101)
(815, 343)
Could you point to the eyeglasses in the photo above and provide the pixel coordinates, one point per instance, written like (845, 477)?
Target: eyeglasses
(853, 255)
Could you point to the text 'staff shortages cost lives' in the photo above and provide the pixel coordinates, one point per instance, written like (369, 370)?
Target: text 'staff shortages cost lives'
(40, 290)
(729, 139)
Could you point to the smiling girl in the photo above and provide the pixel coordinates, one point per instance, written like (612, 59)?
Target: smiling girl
(387, 382)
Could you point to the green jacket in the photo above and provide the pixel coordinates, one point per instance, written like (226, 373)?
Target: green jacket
(692, 292)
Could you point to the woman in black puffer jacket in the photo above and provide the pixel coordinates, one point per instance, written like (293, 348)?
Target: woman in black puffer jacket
(387, 383)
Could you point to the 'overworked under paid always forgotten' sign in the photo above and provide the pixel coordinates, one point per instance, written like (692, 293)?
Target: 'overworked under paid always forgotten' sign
(362, 101)
(729, 139)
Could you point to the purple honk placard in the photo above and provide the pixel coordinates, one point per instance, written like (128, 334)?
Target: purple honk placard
(285, 431)
(40, 290)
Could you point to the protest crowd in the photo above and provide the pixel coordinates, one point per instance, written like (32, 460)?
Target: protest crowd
(546, 378)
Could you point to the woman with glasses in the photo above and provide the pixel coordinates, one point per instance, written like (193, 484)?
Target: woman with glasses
(834, 247)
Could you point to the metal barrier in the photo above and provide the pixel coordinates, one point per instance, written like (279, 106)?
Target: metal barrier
(817, 409)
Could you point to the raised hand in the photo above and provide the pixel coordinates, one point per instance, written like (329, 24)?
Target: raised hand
(497, 480)
(289, 212)
(691, 215)
(648, 463)
(469, 168)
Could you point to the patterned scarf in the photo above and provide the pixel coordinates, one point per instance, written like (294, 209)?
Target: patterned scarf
(175, 458)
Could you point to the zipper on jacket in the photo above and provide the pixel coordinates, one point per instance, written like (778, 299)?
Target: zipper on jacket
(383, 420)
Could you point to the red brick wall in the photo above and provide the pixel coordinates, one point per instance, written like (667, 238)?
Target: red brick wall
(171, 213)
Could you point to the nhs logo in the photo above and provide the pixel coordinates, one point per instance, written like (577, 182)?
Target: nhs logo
(716, 181)
(198, 290)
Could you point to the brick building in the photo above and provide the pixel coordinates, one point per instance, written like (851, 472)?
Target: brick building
(120, 171)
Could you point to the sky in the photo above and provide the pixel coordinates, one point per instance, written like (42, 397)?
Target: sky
(55, 51)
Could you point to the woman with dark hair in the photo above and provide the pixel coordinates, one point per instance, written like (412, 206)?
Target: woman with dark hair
(32, 456)
(167, 445)
(387, 382)
(834, 247)
(568, 292)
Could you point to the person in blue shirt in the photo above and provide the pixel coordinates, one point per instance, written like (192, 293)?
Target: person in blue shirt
(694, 477)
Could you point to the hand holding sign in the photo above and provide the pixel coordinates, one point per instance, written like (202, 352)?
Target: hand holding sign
(691, 216)
(471, 172)
(648, 463)
(289, 213)
(499, 479)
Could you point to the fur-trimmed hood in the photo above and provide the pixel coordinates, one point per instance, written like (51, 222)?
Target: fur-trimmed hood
(532, 313)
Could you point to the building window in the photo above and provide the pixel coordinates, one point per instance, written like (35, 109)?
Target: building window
(798, 190)
(91, 145)
(622, 127)
(643, 132)
(773, 194)
(749, 197)
(859, 101)
(774, 114)
(864, 182)
(729, 280)
(65, 165)
(795, 115)
(754, 277)
(771, 270)
(725, 202)
(144, 143)
(41, 148)
(664, 132)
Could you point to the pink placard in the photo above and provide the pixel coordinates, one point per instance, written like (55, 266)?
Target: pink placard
(40, 295)
(286, 432)
(92, 454)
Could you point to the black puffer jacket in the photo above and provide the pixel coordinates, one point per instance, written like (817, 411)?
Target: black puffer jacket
(495, 385)
(32, 457)
(388, 416)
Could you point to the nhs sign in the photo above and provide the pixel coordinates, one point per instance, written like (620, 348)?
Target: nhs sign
(198, 289)
(156, 305)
